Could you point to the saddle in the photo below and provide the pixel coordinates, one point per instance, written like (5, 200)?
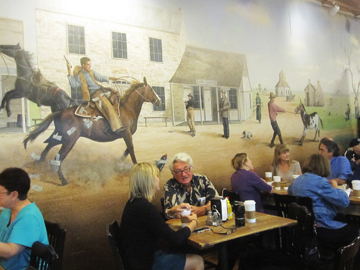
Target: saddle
(90, 112)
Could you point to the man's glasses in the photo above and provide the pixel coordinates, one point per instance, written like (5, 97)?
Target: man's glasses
(185, 170)
(227, 232)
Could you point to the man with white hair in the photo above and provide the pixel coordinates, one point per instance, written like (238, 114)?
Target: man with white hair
(187, 187)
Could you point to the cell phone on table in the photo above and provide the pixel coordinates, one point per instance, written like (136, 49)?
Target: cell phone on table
(202, 229)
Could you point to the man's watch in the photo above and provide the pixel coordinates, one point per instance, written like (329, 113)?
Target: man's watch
(167, 214)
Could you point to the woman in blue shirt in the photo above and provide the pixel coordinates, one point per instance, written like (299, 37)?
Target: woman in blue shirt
(326, 198)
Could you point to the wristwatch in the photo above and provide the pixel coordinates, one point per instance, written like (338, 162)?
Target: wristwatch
(168, 214)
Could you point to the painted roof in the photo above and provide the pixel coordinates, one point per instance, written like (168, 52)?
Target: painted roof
(227, 69)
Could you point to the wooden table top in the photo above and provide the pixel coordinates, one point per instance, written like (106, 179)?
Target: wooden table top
(208, 239)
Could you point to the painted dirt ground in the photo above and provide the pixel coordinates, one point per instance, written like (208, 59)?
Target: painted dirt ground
(98, 188)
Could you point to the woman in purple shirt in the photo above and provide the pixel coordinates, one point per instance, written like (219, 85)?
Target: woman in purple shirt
(247, 183)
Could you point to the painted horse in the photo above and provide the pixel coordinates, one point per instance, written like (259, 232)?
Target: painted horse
(69, 126)
(310, 121)
(31, 84)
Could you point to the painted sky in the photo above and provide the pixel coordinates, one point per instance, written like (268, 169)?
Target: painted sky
(298, 37)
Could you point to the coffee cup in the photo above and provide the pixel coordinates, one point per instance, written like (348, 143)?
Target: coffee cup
(268, 176)
(277, 180)
(356, 188)
(250, 210)
(183, 219)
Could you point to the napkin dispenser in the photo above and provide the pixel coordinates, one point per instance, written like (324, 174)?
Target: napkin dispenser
(220, 204)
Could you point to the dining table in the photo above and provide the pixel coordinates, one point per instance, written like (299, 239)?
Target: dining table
(209, 239)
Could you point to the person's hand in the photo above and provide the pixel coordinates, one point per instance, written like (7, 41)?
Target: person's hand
(69, 68)
(182, 206)
(333, 183)
(198, 210)
(189, 218)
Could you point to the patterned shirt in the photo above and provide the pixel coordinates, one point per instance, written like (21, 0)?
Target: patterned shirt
(176, 193)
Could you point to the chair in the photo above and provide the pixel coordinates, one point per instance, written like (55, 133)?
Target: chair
(345, 256)
(113, 236)
(56, 236)
(233, 196)
(282, 203)
(42, 256)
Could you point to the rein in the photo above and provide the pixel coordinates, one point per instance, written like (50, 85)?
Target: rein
(145, 97)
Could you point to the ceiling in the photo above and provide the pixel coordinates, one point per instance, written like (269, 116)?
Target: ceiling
(349, 6)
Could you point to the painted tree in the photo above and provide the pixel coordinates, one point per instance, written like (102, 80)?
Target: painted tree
(355, 86)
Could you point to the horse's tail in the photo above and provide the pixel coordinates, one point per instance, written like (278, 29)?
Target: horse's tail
(321, 123)
(40, 128)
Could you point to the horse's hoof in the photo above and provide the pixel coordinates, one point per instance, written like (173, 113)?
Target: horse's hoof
(64, 182)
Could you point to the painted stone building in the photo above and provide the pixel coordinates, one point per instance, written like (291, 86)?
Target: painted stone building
(314, 97)
(282, 89)
(204, 73)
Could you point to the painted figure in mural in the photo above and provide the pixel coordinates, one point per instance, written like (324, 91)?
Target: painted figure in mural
(224, 113)
(283, 165)
(340, 168)
(73, 123)
(356, 105)
(142, 226)
(187, 187)
(246, 182)
(273, 109)
(326, 199)
(21, 222)
(88, 80)
(310, 121)
(258, 108)
(32, 84)
(190, 115)
(347, 113)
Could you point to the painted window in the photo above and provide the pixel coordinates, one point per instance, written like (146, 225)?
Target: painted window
(155, 50)
(119, 45)
(233, 98)
(76, 39)
(160, 91)
(197, 91)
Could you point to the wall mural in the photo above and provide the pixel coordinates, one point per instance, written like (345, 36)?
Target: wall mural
(252, 50)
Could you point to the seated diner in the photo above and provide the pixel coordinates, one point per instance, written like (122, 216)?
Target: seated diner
(21, 222)
(326, 198)
(340, 168)
(283, 165)
(142, 227)
(246, 183)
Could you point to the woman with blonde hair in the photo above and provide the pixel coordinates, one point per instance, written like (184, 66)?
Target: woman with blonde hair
(283, 165)
(247, 183)
(142, 227)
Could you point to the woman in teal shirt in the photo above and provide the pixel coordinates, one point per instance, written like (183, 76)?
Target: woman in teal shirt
(21, 222)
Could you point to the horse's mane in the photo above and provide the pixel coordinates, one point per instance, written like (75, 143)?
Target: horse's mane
(133, 86)
(28, 58)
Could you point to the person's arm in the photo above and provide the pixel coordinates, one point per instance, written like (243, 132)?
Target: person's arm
(329, 192)
(100, 78)
(201, 210)
(175, 211)
(227, 104)
(343, 170)
(74, 83)
(8, 250)
(171, 200)
(259, 183)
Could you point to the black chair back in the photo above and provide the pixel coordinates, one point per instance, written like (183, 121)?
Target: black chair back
(233, 196)
(282, 203)
(56, 236)
(345, 256)
(42, 256)
(113, 236)
(301, 240)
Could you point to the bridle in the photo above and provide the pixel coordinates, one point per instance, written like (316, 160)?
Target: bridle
(145, 97)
